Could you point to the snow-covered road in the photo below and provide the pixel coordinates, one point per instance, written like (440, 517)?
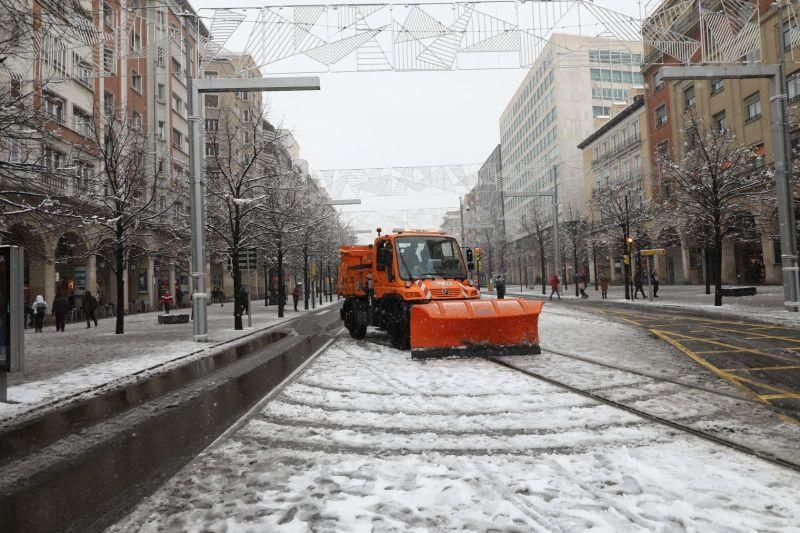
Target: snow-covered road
(368, 440)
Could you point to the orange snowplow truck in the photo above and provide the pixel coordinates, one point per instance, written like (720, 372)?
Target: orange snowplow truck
(415, 286)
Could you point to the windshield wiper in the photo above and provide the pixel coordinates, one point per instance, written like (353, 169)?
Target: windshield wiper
(408, 270)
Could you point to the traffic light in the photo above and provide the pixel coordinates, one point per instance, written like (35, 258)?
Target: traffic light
(469, 255)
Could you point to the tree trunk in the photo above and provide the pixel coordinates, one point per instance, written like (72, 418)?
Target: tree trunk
(319, 281)
(594, 263)
(575, 270)
(543, 268)
(237, 288)
(717, 269)
(119, 257)
(281, 288)
(306, 286)
(266, 285)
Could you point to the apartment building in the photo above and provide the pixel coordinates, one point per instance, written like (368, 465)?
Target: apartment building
(127, 59)
(574, 80)
(741, 107)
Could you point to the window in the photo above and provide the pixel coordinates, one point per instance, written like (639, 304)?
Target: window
(53, 159)
(178, 208)
(752, 107)
(83, 175)
(136, 43)
(82, 121)
(136, 120)
(14, 152)
(791, 33)
(108, 103)
(176, 68)
(758, 152)
(212, 149)
(177, 139)
(162, 130)
(793, 83)
(53, 108)
(600, 111)
(54, 52)
(658, 81)
(717, 86)
(177, 104)
(109, 62)
(160, 57)
(212, 124)
(160, 20)
(108, 14)
(635, 130)
(241, 95)
(246, 115)
(136, 81)
(247, 137)
(688, 98)
(720, 122)
(81, 70)
(212, 100)
(137, 198)
(661, 115)
(162, 92)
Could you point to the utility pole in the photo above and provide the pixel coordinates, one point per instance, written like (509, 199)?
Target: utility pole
(780, 143)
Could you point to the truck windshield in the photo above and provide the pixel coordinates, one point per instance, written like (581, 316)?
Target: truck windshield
(429, 257)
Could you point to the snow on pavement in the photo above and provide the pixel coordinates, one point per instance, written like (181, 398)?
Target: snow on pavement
(82, 362)
(368, 440)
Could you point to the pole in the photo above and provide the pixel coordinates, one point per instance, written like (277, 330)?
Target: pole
(3, 387)
(249, 292)
(461, 212)
(783, 169)
(198, 209)
(556, 230)
(503, 217)
(649, 279)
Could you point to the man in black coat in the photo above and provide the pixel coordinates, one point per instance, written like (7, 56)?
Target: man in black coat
(60, 308)
(89, 308)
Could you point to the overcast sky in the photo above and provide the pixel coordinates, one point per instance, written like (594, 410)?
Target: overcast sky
(386, 119)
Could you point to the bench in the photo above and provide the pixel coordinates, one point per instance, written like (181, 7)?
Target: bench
(173, 318)
(738, 291)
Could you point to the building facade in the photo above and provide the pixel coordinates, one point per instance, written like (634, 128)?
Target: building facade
(574, 80)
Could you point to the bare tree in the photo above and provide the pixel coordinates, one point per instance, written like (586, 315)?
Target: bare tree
(716, 183)
(573, 231)
(125, 199)
(538, 226)
(623, 212)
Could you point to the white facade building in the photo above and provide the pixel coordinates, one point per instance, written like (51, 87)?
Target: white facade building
(574, 80)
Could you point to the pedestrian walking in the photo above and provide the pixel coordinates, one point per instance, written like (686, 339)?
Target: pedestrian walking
(581, 281)
(39, 310)
(166, 301)
(89, 308)
(654, 281)
(60, 309)
(244, 299)
(638, 284)
(296, 295)
(221, 296)
(554, 285)
(500, 286)
(178, 298)
(603, 286)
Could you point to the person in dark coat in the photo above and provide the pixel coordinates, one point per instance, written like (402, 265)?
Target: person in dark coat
(89, 308)
(178, 298)
(60, 308)
(296, 295)
(500, 285)
(638, 284)
(244, 299)
(654, 281)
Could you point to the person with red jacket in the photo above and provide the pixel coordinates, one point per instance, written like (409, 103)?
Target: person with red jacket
(554, 284)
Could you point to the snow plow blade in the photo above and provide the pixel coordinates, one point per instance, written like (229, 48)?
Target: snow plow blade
(475, 328)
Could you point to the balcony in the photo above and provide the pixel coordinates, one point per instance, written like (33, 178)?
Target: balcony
(630, 142)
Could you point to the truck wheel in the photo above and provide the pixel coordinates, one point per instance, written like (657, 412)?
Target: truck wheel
(358, 331)
(398, 329)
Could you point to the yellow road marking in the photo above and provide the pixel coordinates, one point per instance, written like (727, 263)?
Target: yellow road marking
(787, 367)
(717, 371)
(716, 351)
(726, 345)
(765, 386)
(788, 395)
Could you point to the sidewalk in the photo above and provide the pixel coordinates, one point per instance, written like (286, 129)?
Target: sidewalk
(81, 362)
(766, 305)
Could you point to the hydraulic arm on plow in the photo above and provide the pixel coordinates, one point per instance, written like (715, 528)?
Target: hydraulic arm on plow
(415, 286)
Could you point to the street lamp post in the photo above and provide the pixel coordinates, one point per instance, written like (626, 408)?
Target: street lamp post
(217, 85)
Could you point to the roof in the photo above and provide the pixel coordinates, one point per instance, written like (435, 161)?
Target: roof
(638, 101)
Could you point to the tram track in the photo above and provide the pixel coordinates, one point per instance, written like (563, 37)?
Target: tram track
(671, 423)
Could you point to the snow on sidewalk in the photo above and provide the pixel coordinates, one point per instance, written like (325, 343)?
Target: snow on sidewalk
(81, 362)
(368, 440)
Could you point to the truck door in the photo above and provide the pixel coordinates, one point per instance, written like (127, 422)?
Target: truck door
(384, 261)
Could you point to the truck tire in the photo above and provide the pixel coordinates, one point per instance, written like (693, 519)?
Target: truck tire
(358, 332)
(398, 327)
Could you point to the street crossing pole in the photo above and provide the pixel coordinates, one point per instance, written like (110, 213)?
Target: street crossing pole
(197, 87)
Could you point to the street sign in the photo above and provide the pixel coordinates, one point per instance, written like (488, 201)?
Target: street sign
(248, 259)
(653, 251)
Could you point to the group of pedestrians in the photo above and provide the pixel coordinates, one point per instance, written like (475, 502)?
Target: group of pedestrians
(62, 305)
(581, 281)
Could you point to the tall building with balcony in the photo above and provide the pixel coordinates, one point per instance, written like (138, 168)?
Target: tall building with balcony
(127, 59)
(574, 80)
